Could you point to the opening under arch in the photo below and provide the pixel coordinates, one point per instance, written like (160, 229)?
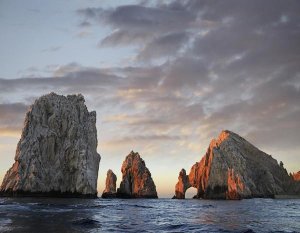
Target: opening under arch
(190, 193)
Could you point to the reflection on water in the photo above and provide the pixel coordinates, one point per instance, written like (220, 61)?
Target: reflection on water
(162, 215)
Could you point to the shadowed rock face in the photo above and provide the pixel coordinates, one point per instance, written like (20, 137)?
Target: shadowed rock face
(136, 179)
(56, 155)
(232, 168)
(110, 185)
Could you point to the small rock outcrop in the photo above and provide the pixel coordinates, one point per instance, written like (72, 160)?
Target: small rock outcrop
(233, 168)
(110, 185)
(57, 153)
(136, 179)
(296, 176)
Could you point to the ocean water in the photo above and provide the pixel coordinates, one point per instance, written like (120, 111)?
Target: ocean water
(142, 215)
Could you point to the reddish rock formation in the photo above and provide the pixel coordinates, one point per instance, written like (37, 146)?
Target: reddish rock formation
(182, 185)
(296, 176)
(232, 168)
(136, 179)
(110, 185)
(235, 185)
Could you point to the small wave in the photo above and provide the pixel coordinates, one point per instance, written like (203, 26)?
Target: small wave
(53, 205)
(175, 226)
(121, 206)
(98, 206)
(207, 206)
(87, 223)
(285, 231)
(248, 231)
(143, 206)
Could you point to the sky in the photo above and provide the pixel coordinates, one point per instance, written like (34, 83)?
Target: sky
(165, 77)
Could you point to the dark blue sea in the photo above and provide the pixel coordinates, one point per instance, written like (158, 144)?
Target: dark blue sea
(141, 215)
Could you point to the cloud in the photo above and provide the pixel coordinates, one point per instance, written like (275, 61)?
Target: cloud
(122, 37)
(70, 77)
(137, 24)
(142, 138)
(186, 71)
(11, 118)
(165, 45)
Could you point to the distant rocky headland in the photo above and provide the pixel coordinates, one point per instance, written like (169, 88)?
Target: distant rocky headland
(57, 153)
(57, 156)
(233, 168)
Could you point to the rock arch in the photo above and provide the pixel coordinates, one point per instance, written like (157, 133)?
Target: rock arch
(186, 181)
(191, 193)
(182, 185)
(232, 168)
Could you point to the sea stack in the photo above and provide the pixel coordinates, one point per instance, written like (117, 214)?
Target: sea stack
(57, 153)
(110, 185)
(233, 168)
(136, 179)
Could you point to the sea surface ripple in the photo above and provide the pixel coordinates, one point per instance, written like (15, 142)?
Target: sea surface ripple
(144, 215)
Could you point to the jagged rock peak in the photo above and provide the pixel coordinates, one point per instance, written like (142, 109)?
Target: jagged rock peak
(136, 179)
(110, 185)
(57, 153)
(224, 136)
(233, 168)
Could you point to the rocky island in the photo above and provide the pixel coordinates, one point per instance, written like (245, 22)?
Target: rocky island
(233, 168)
(136, 179)
(110, 185)
(57, 153)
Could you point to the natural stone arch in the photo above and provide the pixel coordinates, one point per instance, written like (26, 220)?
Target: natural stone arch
(232, 168)
(191, 192)
(182, 185)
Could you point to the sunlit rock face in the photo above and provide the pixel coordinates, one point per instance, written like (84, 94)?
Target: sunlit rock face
(56, 155)
(110, 185)
(233, 168)
(136, 179)
(182, 185)
(296, 185)
(296, 176)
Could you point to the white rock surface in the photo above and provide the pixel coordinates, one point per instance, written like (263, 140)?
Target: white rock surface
(57, 152)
